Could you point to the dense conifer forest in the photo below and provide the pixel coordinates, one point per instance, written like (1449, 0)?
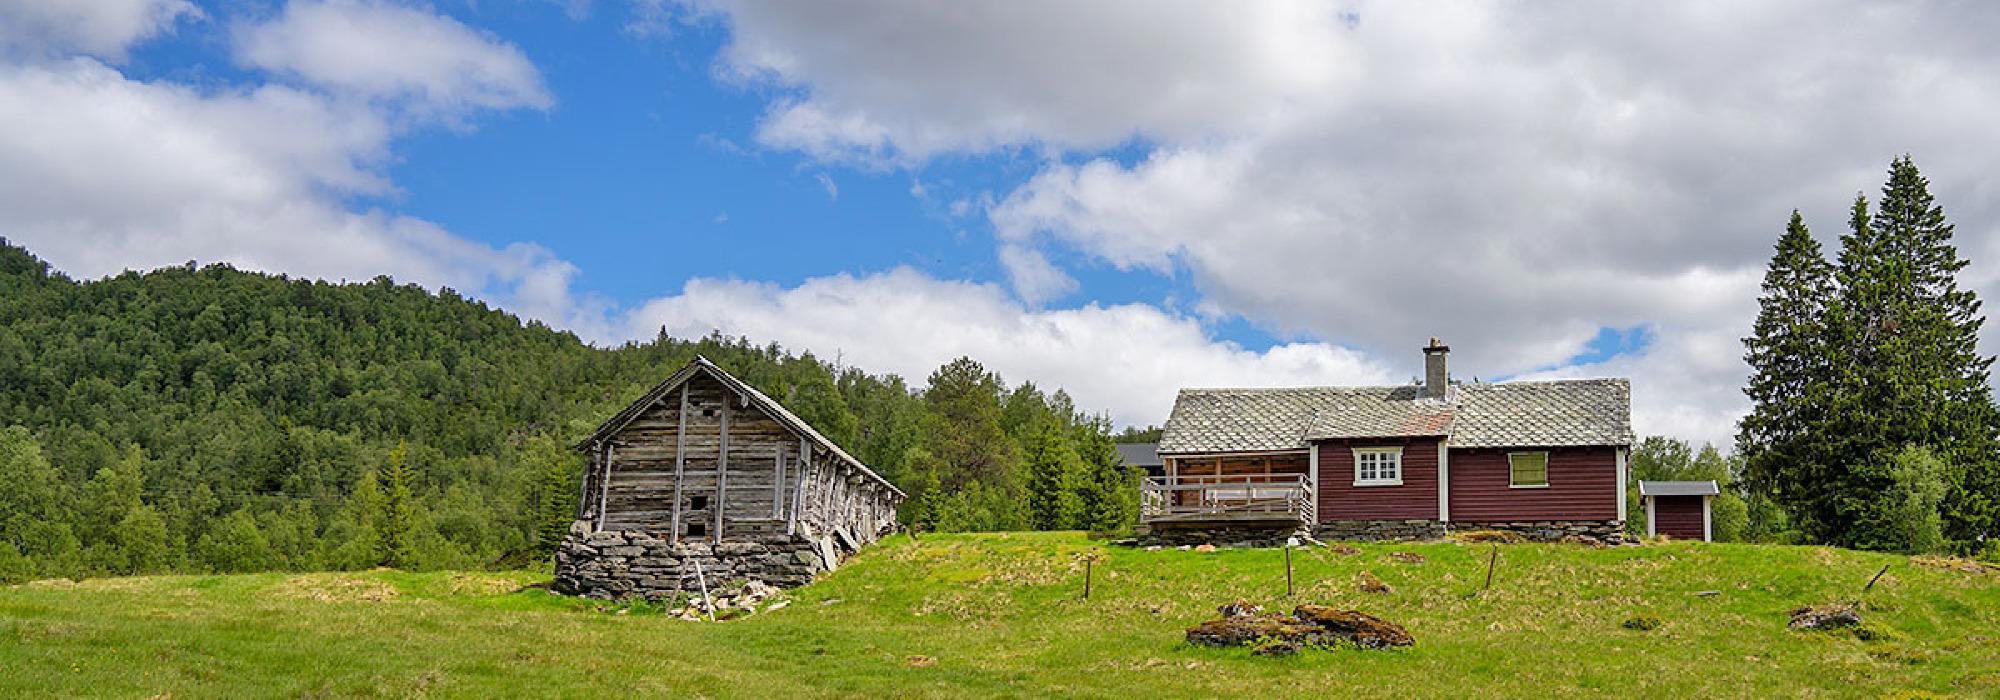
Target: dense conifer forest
(210, 419)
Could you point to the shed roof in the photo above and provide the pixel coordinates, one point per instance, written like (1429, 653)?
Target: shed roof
(1139, 454)
(770, 406)
(1561, 413)
(1678, 488)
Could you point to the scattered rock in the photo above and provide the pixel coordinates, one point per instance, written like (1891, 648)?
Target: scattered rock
(1705, 594)
(1240, 608)
(1185, 547)
(1276, 647)
(1368, 583)
(1643, 622)
(1127, 542)
(1343, 549)
(1825, 617)
(1153, 548)
(1580, 540)
(1242, 630)
(1205, 548)
(1967, 566)
(1501, 536)
(1355, 626)
(1408, 557)
(921, 661)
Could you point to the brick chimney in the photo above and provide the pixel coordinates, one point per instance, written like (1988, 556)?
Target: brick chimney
(1437, 379)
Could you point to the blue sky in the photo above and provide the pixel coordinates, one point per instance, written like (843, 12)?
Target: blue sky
(1118, 198)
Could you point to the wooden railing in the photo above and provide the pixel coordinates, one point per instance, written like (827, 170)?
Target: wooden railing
(1227, 496)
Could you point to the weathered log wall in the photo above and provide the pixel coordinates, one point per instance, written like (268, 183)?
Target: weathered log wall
(705, 464)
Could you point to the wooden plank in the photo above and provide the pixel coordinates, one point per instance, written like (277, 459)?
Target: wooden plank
(604, 495)
(778, 485)
(722, 470)
(798, 488)
(680, 461)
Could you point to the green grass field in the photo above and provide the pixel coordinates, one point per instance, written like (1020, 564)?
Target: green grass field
(1002, 615)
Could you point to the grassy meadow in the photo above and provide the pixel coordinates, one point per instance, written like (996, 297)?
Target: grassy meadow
(1003, 615)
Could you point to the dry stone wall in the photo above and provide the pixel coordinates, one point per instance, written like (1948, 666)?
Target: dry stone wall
(1606, 531)
(618, 565)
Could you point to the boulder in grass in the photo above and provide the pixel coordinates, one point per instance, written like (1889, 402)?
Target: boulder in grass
(1408, 557)
(1242, 630)
(1368, 583)
(1352, 625)
(1825, 617)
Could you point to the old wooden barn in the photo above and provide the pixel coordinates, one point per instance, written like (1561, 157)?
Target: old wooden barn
(706, 472)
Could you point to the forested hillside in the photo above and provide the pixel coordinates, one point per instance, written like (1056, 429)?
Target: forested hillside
(197, 419)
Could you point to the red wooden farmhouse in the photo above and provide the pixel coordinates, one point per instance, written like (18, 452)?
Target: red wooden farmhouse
(1545, 459)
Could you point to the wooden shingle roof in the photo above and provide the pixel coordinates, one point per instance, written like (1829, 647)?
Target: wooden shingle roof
(1562, 413)
(770, 406)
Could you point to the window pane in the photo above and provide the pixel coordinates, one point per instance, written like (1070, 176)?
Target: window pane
(1529, 468)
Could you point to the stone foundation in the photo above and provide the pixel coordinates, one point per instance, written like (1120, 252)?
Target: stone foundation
(639, 564)
(1236, 535)
(1606, 531)
(1372, 530)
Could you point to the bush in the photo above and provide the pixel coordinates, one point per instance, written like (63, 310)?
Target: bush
(1913, 523)
(1644, 622)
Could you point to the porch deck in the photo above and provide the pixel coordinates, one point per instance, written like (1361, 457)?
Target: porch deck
(1227, 499)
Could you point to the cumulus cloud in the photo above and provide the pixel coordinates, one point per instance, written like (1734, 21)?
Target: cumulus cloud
(1512, 177)
(100, 27)
(1125, 359)
(101, 173)
(432, 64)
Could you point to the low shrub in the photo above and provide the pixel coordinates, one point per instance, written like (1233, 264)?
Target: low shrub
(1644, 622)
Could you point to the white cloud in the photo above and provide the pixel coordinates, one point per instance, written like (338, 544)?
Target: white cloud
(1511, 177)
(431, 64)
(101, 173)
(100, 27)
(1033, 277)
(898, 79)
(1125, 359)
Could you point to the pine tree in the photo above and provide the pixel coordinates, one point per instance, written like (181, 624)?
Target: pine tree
(555, 504)
(1052, 496)
(1787, 355)
(1906, 372)
(397, 522)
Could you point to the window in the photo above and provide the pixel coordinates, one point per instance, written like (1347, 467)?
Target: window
(697, 503)
(697, 529)
(1528, 470)
(1378, 466)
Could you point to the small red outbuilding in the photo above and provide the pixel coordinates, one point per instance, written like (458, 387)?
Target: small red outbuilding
(1678, 509)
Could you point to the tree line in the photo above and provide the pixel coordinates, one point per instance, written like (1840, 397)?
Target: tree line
(1872, 424)
(194, 419)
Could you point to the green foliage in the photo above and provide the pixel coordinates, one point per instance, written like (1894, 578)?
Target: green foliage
(1003, 615)
(1643, 622)
(396, 526)
(184, 396)
(1889, 362)
(1912, 521)
(1668, 459)
(1053, 475)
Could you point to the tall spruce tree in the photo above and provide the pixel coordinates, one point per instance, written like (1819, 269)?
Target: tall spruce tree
(398, 519)
(1786, 352)
(1905, 372)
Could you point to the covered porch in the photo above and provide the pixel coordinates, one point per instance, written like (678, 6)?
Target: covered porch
(1266, 488)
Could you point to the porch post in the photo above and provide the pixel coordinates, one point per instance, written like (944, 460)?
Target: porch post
(1444, 481)
(1312, 479)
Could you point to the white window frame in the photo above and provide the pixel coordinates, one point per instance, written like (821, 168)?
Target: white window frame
(1545, 470)
(1395, 456)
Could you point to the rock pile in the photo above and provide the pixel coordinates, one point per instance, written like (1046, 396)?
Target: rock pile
(732, 604)
(1825, 617)
(1245, 624)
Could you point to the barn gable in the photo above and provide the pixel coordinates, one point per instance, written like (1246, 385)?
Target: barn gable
(706, 468)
